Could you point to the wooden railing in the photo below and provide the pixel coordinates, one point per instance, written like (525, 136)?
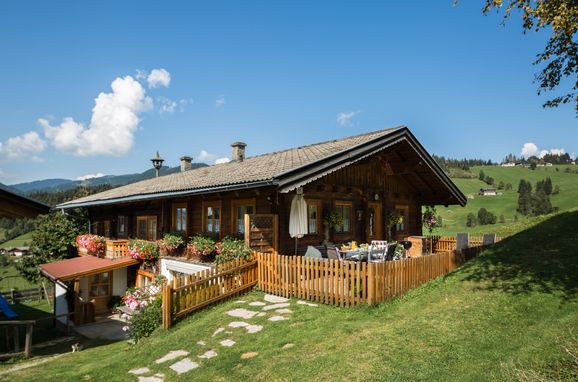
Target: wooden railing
(33, 294)
(190, 293)
(116, 248)
(442, 244)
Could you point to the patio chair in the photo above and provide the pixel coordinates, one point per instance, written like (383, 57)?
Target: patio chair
(333, 253)
(462, 241)
(390, 252)
(313, 253)
(489, 238)
(380, 244)
(381, 253)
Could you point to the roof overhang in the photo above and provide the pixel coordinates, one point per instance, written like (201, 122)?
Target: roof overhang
(70, 269)
(160, 195)
(298, 177)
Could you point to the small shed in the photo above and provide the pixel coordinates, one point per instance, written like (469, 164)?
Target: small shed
(488, 191)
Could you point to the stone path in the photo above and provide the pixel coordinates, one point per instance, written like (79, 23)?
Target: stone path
(275, 305)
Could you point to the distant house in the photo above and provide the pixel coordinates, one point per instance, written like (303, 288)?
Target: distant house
(488, 191)
(18, 251)
(509, 164)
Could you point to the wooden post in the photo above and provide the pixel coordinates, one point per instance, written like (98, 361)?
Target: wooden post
(16, 338)
(12, 295)
(28, 343)
(167, 306)
(247, 230)
(370, 283)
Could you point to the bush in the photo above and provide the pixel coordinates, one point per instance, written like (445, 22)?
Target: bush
(471, 220)
(486, 217)
(230, 249)
(144, 322)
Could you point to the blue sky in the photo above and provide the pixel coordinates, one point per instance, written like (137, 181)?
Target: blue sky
(272, 74)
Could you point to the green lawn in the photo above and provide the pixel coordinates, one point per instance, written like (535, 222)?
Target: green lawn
(508, 311)
(20, 241)
(11, 279)
(454, 217)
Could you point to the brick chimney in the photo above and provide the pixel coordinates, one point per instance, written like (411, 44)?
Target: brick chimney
(238, 152)
(186, 163)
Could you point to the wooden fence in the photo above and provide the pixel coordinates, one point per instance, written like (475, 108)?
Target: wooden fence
(190, 293)
(346, 283)
(33, 294)
(448, 243)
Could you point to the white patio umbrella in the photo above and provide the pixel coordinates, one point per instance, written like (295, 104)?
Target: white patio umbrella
(298, 217)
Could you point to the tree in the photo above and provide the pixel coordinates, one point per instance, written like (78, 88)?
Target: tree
(482, 176)
(489, 180)
(560, 56)
(508, 186)
(501, 185)
(524, 197)
(54, 239)
(502, 219)
(486, 217)
(471, 220)
(556, 190)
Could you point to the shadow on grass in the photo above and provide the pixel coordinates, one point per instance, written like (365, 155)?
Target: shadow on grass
(541, 259)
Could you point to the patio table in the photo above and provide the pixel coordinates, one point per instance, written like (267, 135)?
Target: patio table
(359, 254)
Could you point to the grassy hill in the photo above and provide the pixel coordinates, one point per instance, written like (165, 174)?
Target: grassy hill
(505, 315)
(20, 241)
(454, 217)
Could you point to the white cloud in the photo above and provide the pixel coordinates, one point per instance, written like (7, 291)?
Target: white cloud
(90, 176)
(167, 105)
(530, 149)
(159, 77)
(22, 146)
(141, 74)
(205, 156)
(222, 160)
(115, 119)
(220, 102)
(344, 119)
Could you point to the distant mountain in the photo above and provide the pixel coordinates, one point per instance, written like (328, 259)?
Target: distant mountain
(50, 185)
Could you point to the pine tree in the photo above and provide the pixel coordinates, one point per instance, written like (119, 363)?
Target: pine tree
(524, 197)
(482, 176)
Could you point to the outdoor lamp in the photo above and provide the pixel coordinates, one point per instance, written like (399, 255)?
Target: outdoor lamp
(157, 163)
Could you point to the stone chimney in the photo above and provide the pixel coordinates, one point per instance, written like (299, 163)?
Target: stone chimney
(186, 163)
(238, 152)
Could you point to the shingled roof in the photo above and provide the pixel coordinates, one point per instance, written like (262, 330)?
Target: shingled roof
(260, 170)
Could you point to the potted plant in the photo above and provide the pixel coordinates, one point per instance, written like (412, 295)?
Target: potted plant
(144, 250)
(201, 248)
(91, 244)
(230, 249)
(393, 218)
(331, 221)
(170, 244)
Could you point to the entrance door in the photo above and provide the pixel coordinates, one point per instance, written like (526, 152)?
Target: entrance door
(99, 290)
(374, 221)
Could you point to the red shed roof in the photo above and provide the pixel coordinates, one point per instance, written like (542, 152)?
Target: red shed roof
(83, 266)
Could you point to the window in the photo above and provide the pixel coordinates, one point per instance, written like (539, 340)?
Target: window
(239, 208)
(99, 284)
(106, 230)
(403, 212)
(94, 228)
(146, 227)
(121, 226)
(344, 210)
(212, 218)
(180, 217)
(313, 221)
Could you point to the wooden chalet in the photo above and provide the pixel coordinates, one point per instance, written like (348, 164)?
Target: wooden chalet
(364, 178)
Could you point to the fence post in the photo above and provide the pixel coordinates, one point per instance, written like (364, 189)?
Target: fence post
(28, 343)
(370, 282)
(167, 306)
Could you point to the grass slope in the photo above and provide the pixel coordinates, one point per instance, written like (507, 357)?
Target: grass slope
(454, 217)
(20, 241)
(10, 279)
(510, 309)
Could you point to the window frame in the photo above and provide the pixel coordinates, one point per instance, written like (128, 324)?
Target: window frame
(318, 224)
(107, 228)
(175, 207)
(148, 219)
(108, 283)
(124, 233)
(235, 204)
(342, 203)
(404, 209)
(213, 204)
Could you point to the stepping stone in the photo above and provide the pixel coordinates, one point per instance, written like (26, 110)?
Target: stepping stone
(301, 302)
(288, 346)
(184, 366)
(254, 328)
(261, 314)
(274, 299)
(142, 370)
(249, 355)
(277, 318)
(159, 375)
(276, 306)
(257, 303)
(227, 343)
(242, 313)
(151, 379)
(208, 354)
(218, 331)
(202, 343)
(240, 302)
(238, 324)
(172, 355)
(284, 311)
(228, 332)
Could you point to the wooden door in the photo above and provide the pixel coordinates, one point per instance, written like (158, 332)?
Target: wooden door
(374, 222)
(100, 290)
